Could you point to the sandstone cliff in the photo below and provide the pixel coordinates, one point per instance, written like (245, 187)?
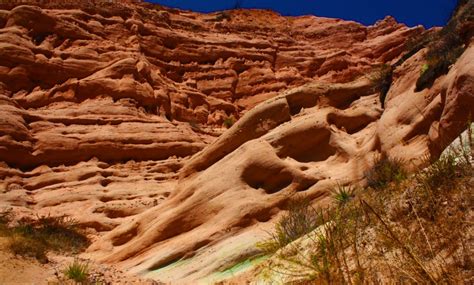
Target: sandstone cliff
(114, 115)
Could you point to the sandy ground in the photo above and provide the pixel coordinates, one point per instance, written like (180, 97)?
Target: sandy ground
(19, 270)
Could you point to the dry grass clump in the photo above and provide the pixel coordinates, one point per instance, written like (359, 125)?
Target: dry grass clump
(35, 237)
(384, 171)
(300, 219)
(415, 231)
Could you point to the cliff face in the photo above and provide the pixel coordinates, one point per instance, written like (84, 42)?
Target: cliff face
(102, 108)
(123, 83)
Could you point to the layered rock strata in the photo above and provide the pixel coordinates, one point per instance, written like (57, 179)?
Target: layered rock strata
(113, 114)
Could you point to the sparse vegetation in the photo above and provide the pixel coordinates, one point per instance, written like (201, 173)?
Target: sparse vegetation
(415, 231)
(5, 217)
(384, 171)
(300, 219)
(229, 121)
(194, 126)
(35, 237)
(413, 45)
(223, 16)
(382, 80)
(77, 271)
(446, 46)
(28, 247)
(343, 194)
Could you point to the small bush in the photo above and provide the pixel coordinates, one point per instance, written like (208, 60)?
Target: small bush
(35, 237)
(424, 68)
(382, 80)
(327, 260)
(384, 171)
(442, 172)
(59, 233)
(222, 16)
(300, 219)
(454, 162)
(77, 271)
(436, 67)
(413, 45)
(229, 122)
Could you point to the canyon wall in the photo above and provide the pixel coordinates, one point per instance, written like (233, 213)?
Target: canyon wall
(115, 115)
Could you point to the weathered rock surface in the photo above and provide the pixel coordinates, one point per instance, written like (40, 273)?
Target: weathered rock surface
(113, 115)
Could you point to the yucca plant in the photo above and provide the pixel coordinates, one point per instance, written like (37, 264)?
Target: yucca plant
(77, 271)
(343, 194)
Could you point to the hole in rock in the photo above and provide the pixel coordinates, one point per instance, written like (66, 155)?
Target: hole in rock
(170, 43)
(106, 199)
(98, 226)
(86, 176)
(167, 262)
(351, 124)
(106, 174)
(201, 243)
(38, 38)
(124, 237)
(300, 100)
(264, 215)
(306, 146)
(271, 179)
(105, 182)
(116, 213)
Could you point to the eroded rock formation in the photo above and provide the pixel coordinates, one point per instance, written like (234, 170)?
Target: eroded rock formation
(113, 115)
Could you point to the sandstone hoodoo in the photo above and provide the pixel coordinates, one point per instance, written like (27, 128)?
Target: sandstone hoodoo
(176, 139)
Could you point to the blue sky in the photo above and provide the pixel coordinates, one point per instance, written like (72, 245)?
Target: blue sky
(411, 12)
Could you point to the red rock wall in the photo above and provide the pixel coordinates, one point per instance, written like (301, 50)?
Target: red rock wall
(113, 114)
(117, 81)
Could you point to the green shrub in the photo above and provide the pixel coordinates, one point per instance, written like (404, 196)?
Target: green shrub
(194, 126)
(384, 171)
(77, 271)
(59, 233)
(424, 68)
(229, 121)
